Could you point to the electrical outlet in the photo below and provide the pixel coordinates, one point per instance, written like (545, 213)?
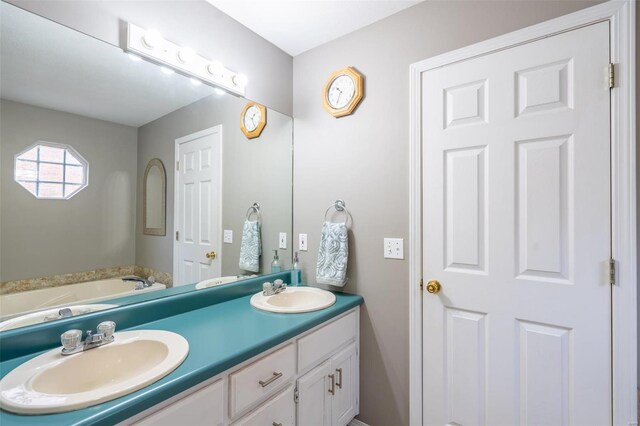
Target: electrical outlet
(283, 240)
(394, 248)
(228, 236)
(302, 242)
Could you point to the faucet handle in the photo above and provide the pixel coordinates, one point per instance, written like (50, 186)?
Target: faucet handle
(71, 339)
(107, 328)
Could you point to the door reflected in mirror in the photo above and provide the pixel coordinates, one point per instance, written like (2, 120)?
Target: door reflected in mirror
(154, 195)
(125, 118)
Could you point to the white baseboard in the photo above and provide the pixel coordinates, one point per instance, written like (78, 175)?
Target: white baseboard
(356, 422)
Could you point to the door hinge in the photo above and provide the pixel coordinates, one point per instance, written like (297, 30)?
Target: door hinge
(177, 235)
(421, 284)
(177, 165)
(612, 76)
(612, 271)
(296, 396)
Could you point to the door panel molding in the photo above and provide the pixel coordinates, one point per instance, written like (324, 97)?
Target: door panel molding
(621, 17)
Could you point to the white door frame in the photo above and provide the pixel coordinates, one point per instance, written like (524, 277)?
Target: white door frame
(176, 157)
(621, 15)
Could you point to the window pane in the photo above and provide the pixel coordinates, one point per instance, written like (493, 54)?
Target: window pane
(30, 186)
(32, 154)
(50, 172)
(71, 159)
(70, 189)
(26, 170)
(50, 190)
(49, 153)
(74, 174)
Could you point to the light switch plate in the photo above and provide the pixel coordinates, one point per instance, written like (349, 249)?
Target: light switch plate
(302, 242)
(228, 236)
(283, 240)
(394, 248)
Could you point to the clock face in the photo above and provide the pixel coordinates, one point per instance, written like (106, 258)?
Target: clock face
(251, 118)
(341, 91)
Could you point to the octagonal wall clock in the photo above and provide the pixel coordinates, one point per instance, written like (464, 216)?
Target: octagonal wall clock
(343, 92)
(253, 119)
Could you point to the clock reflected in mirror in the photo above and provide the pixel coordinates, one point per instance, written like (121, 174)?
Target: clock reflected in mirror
(343, 92)
(253, 119)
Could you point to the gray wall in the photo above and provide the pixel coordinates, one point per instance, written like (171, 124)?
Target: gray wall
(256, 170)
(93, 229)
(193, 23)
(364, 159)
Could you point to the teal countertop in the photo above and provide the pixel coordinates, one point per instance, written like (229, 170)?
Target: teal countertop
(220, 336)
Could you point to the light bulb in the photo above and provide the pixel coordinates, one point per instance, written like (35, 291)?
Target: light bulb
(186, 55)
(134, 58)
(166, 70)
(152, 39)
(195, 82)
(215, 68)
(240, 80)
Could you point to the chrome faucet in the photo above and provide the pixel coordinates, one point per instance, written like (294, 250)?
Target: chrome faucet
(72, 339)
(269, 289)
(141, 283)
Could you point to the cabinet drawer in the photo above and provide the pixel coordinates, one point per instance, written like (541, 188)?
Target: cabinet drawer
(261, 379)
(280, 411)
(315, 347)
(204, 406)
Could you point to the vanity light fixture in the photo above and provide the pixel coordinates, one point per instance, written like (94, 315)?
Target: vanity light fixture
(186, 55)
(151, 39)
(150, 45)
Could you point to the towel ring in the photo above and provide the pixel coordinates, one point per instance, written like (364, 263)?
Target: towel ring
(255, 208)
(340, 206)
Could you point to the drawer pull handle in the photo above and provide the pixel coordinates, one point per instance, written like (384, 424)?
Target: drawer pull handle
(276, 424)
(339, 382)
(332, 389)
(275, 377)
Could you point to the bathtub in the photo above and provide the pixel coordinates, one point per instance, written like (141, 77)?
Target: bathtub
(24, 302)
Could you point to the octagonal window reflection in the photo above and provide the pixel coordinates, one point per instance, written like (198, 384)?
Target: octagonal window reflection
(51, 171)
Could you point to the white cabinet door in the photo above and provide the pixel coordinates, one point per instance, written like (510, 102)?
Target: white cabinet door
(203, 407)
(280, 411)
(314, 402)
(344, 405)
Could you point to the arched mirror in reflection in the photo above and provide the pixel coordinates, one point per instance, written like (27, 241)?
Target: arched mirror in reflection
(154, 187)
(109, 221)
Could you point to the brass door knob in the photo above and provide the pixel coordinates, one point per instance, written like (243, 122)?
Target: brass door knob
(211, 255)
(433, 286)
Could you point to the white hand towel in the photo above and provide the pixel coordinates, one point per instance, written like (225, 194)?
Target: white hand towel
(333, 255)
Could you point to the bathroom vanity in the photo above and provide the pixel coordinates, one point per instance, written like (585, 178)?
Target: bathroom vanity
(245, 366)
(312, 378)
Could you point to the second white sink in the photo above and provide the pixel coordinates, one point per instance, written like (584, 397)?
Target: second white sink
(294, 300)
(52, 383)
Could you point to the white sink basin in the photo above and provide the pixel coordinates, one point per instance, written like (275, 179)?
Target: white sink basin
(50, 315)
(52, 383)
(216, 281)
(294, 300)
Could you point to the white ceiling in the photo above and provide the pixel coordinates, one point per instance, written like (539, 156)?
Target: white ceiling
(51, 66)
(296, 26)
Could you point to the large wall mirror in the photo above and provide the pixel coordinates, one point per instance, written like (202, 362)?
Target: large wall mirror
(113, 167)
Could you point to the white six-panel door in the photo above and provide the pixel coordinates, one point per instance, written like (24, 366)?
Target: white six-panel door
(198, 206)
(516, 220)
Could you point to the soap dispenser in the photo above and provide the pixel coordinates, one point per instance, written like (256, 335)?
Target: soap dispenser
(275, 265)
(297, 271)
